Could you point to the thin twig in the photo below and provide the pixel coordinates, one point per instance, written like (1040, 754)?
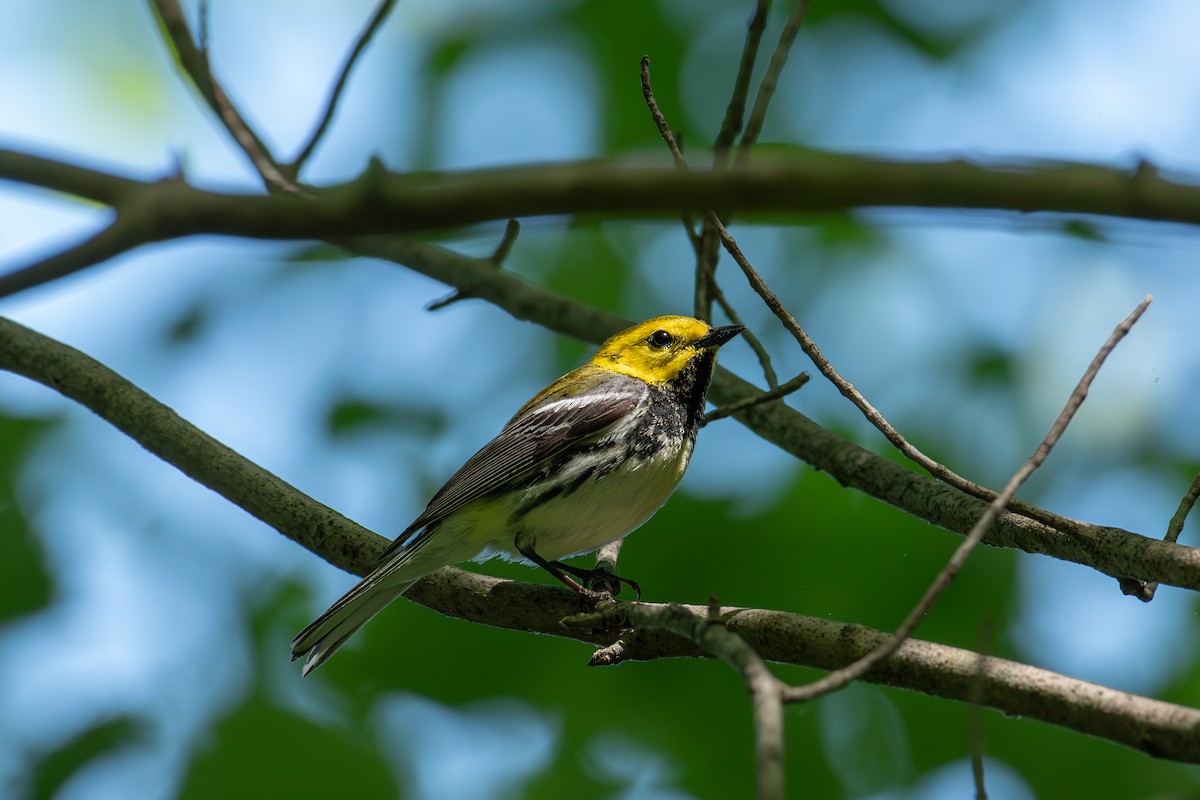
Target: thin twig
(1164, 729)
(706, 284)
(1145, 591)
(194, 62)
(511, 231)
(121, 236)
(766, 700)
(827, 369)
(707, 630)
(783, 390)
(764, 358)
(735, 111)
(770, 80)
(335, 93)
(975, 733)
(203, 30)
(700, 242)
(664, 130)
(841, 677)
(706, 245)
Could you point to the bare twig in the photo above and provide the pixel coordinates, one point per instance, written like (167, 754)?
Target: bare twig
(783, 390)
(842, 676)
(706, 245)
(511, 231)
(706, 283)
(708, 631)
(735, 111)
(766, 88)
(110, 242)
(664, 130)
(1145, 591)
(827, 369)
(194, 62)
(766, 700)
(335, 93)
(1105, 548)
(760, 352)
(1167, 730)
(202, 29)
(975, 734)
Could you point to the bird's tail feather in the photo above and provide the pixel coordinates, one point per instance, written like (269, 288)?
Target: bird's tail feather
(328, 632)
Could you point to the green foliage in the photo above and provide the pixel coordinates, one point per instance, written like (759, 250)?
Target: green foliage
(52, 770)
(351, 415)
(263, 750)
(25, 584)
(989, 365)
(616, 48)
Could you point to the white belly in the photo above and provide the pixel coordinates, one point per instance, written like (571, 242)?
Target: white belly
(599, 511)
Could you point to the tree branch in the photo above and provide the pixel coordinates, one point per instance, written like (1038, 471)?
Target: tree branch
(948, 573)
(785, 180)
(193, 60)
(1159, 728)
(335, 94)
(1164, 730)
(1145, 591)
(766, 88)
(112, 241)
(735, 110)
(1113, 551)
(706, 281)
(106, 188)
(173, 209)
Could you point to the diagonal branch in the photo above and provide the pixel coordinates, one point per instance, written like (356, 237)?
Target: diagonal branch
(707, 288)
(1113, 551)
(735, 110)
(1145, 591)
(780, 391)
(942, 581)
(873, 415)
(117, 238)
(1163, 729)
(335, 94)
(194, 62)
(766, 88)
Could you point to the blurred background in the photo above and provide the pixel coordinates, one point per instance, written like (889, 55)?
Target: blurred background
(144, 621)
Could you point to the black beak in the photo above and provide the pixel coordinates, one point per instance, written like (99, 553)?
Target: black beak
(719, 336)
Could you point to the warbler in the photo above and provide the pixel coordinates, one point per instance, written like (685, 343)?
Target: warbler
(588, 460)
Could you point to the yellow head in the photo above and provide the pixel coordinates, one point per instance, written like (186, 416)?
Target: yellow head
(660, 349)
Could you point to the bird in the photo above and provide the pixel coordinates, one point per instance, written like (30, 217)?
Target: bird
(585, 462)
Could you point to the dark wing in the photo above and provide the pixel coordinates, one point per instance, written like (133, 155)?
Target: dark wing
(535, 436)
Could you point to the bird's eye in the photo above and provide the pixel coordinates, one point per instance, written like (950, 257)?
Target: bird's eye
(660, 338)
